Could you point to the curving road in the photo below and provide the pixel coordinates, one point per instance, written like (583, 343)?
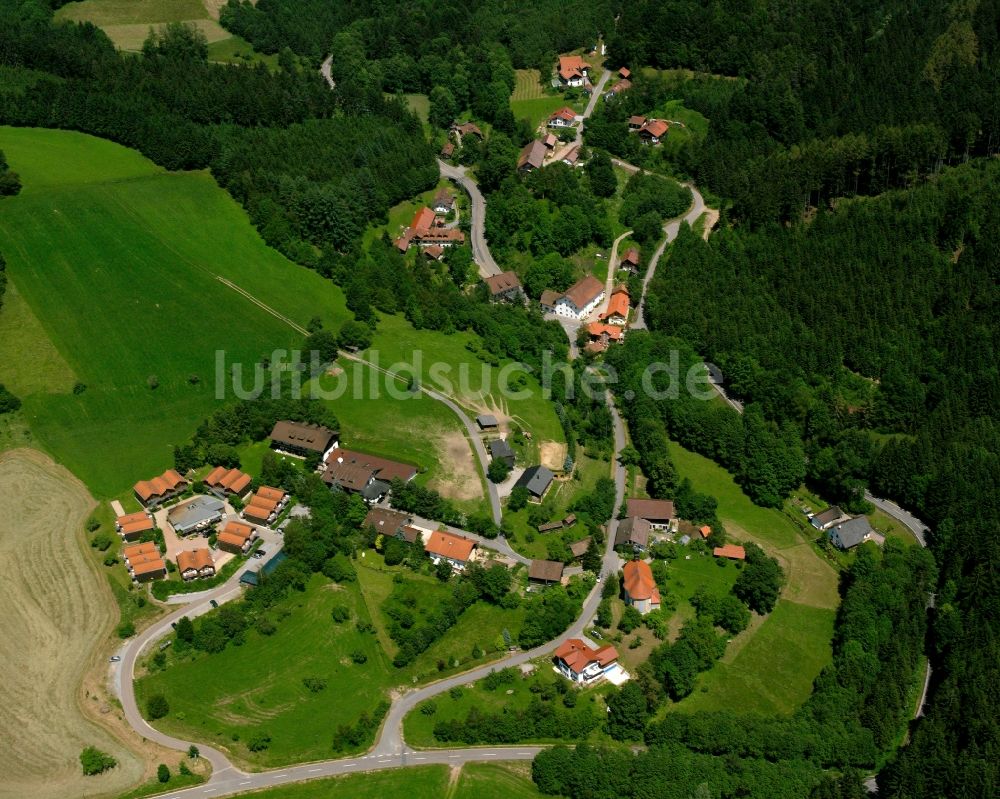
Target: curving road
(480, 250)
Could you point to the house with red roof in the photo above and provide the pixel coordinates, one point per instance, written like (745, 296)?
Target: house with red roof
(573, 70)
(581, 663)
(640, 588)
(563, 118)
(653, 131)
(731, 551)
(580, 299)
(132, 525)
(630, 260)
(619, 308)
(159, 489)
(456, 550)
(603, 335)
(228, 481)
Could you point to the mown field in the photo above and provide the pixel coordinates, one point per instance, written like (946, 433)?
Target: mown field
(770, 666)
(140, 314)
(469, 781)
(127, 22)
(258, 687)
(56, 608)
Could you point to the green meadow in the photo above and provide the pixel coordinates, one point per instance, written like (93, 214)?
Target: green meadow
(770, 666)
(127, 22)
(469, 781)
(117, 268)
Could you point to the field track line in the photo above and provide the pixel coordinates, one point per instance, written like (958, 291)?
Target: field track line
(263, 305)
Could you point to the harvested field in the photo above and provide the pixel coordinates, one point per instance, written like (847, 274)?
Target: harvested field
(56, 610)
(528, 86)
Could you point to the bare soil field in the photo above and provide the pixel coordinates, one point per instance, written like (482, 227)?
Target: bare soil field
(459, 475)
(56, 611)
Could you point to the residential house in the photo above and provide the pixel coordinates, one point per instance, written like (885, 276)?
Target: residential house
(849, 534)
(581, 298)
(225, 481)
(132, 525)
(444, 202)
(504, 286)
(546, 572)
(619, 88)
(580, 663)
(705, 531)
(548, 527)
(411, 534)
(454, 549)
(658, 512)
(364, 474)
(487, 421)
(439, 237)
(447, 149)
(636, 122)
(653, 131)
(548, 300)
(603, 335)
(624, 73)
(731, 551)
(826, 519)
(573, 70)
(630, 260)
(569, 520)
(563, 118)
(467, 129)
(550, 140)
(633, 533)
(641, 591)
(236, 537)
(500, 450)
(435, 252)
(159, 489)
(572, 156)
(386, 521)
(265, 505)
(297, 438)
(144, 561)
(532, 156)
(619, 308)
(536, 480)
(196, 515)
(195, 563)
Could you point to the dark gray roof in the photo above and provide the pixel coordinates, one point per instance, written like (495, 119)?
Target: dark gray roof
(196, 511)
(501, 449)
(850, 533)
(487, 420)
(633, 530)
(375, 489)
(828, 516)
(536, 480)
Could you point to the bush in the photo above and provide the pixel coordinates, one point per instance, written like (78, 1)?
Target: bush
(110, 560)
(93, 524)
(126, 629)
(163, 773)
(157, 707)
(428, 708)
(94, 761)
(193, 751)
(265, 626)
(259, 742)
(359, 657)
(630, 619)
(314, 684)
(183, 770)
(340, 614)
(102, 542)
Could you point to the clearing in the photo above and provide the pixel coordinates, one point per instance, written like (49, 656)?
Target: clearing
(139, 255)
(794, 641)
(56, 608)
(127, 22)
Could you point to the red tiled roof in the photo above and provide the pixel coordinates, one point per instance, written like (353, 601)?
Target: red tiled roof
(448, 545)
(598, 329)
(637, 119)
(505, 281)
(624, 72)
(238, 529)
(435, 251)
(733, 551)
(423, 219)
(631, 256)
(231, 539)
(577, 655)
(447, 149)
(269, 492)
(618, 305)
(656, 127)
(158, 486)
(639, 583)
(138, 550)
(138, 526)
(584, 291)
(565, 114)
(572, 66)
(705, 531)
(150, 566)
(194, 559)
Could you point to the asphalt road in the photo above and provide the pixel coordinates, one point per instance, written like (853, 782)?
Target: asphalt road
(480, 251)
(595, 95)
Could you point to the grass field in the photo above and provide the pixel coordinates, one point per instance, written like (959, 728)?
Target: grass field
(528, 86)
(237, 50)
(137, 254)
(416, 430)
(794, 640)
(420, 104)
(536, 111)
(258, 686)
(444, 359)
(470, 781)
(418, 729)
(56, 608)
(127, 22)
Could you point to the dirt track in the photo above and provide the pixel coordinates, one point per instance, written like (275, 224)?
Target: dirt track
(56, 609)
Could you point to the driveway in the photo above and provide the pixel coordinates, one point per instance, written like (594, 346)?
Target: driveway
(477, 207)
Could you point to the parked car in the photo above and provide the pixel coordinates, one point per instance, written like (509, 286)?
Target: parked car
(259, 554)
(213, 603)
(115, 658)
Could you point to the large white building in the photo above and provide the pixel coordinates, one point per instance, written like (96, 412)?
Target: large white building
(580, 299)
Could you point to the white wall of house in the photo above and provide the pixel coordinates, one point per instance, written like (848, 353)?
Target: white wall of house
(564, 307)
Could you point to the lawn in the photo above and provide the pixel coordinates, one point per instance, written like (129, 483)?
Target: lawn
(127, 22)
(538, 110)
(258, 687)
(141, 315)
(419, 104)
(793, 642)
(529, 85)
(237, 50)
(446, 362)
(409, 427)
(474, 781)
(418, 728)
